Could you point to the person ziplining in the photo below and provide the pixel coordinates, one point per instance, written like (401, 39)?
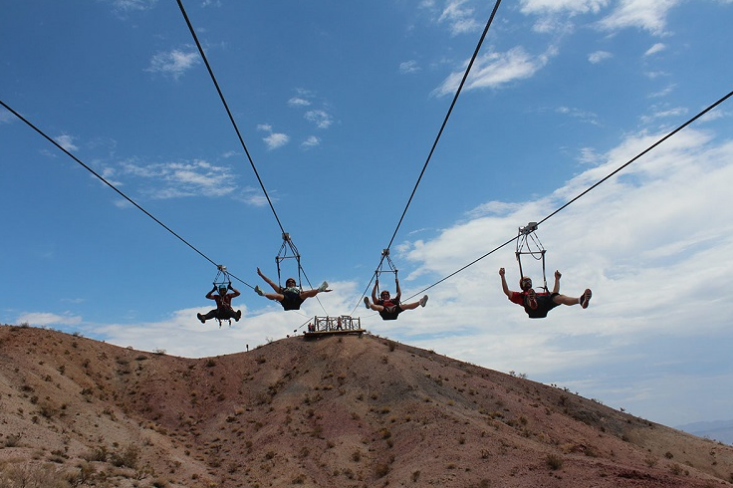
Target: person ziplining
(390, 307)
(223, 310)
(387, 306)
(537, 305)
(291, 296)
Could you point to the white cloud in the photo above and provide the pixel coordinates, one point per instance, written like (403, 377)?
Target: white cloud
(131, 5)
(273, 140)
(598, 56)
(43, 319)
(660, 114)
(276, 140)
(649, 15)
(409, 67)
(458, 17)
(67, 142)
(181, 179)
(567, 7)
(174, 63)
(319, 117)
(496, 69)
(554, 16)
(311, 141)
(656, 48)
(299, 102)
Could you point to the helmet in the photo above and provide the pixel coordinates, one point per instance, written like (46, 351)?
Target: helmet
(222, 289)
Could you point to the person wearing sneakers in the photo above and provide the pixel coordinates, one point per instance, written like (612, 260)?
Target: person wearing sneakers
(223, 310)
(389, 308)
(291, 297)
(538, 304)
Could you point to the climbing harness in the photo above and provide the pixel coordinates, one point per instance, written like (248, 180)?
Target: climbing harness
(529, 244)
(282, 255)
(380, 269)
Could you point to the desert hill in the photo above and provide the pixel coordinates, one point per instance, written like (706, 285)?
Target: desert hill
(343, 411)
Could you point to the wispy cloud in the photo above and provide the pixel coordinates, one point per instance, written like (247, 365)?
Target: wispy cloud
(321, 118)
(132, 5)
(409, 67)
(580, 114)
(43, 319)
(656, 48)
(299, 102)
(599, 56)
(67, 142)
(174, 63)
(458, 17)
(273, 140)
(567, 7)
(311, 141)
(649, 15)
(180, 179)
(661, 114)
(496, 69)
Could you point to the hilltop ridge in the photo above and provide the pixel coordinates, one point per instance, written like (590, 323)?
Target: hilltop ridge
(343, 411)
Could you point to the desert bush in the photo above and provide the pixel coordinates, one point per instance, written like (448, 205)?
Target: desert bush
(127, 458)
(13, 440)
(32, 476)
(554, 462)
(96, 454)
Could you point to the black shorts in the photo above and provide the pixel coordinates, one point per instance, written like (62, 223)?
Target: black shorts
(545, 303)
(391, 313)
(291, 301)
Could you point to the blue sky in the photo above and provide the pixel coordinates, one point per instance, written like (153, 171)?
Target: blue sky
(339, 104)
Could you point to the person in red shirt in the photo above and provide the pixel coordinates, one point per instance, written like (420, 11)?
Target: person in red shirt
(389, 308)
(538, 304)
(223, 310)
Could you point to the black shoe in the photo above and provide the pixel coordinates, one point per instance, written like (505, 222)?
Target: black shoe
(201, 318)
(237, 315)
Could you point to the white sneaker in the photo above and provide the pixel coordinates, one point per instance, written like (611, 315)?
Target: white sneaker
(259, 291)
(423, 301)
(323, 287)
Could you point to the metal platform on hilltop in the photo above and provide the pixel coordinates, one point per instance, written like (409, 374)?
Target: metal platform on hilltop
(327, 326)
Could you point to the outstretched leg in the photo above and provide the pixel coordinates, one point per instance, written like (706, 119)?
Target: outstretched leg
(311, 293)
(373, 306)
(566, 300)
(209, 315)
(414, 305)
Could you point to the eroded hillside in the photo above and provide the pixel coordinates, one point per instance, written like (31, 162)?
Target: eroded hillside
(344, 411)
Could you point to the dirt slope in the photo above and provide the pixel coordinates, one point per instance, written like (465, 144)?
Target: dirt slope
(344, 411)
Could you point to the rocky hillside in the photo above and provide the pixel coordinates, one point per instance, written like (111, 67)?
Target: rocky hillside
(343, 411)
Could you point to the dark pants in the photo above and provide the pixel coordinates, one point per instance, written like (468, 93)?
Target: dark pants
(221, 314)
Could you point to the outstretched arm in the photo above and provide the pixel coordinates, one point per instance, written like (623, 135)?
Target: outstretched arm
(398, 291)
(236, 292)
(556, 288)
(210, 295)
(269, 281)
(504, 286)
(374, 290)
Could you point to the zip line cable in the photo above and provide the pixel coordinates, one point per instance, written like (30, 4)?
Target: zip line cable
(445, 121)
(236, 129)
(229, 112)
(586, 191)
(437, 139)
(103, 180)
